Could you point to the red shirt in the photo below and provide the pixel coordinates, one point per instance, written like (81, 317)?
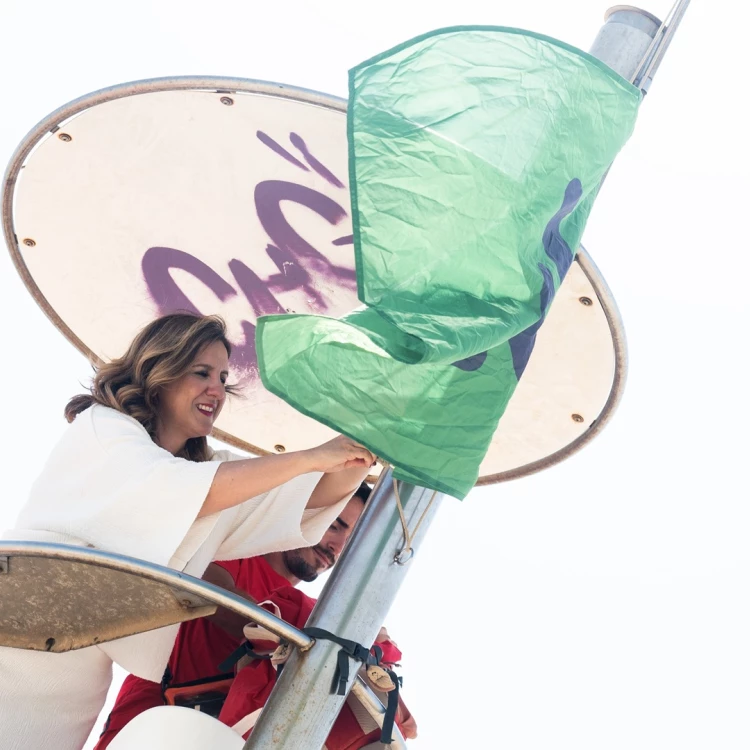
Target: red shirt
(200, 647)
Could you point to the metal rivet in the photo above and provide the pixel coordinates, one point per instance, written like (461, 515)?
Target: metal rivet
(576, 417)
(65, 137)
(227, 100)
(279, 448)
(585, 301)
(29, 242)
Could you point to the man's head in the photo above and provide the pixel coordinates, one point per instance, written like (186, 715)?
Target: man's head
(307, 563)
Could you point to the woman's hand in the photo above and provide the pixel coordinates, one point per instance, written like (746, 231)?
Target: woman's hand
(339, 454)
(343, 463)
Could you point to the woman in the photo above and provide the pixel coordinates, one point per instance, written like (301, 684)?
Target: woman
(134, 474)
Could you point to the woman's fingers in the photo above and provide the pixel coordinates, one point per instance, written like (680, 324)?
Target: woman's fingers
(340, 453)
(367, 456)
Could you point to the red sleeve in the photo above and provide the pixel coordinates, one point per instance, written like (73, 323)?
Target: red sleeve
(391, 653)
(231, 566)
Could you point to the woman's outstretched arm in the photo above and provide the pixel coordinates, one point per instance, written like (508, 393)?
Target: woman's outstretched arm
(238, 481)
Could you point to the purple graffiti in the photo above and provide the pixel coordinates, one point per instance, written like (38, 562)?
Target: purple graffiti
(255, 290)
(322, 170)
(244, 356)
(268, 197)
(294, 256)
(266, 140)
(347, 239)
(291, 275)
(156, 265)
(300, 265)
(299, 143)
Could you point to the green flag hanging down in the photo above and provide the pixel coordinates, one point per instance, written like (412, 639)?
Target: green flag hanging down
(475, 155)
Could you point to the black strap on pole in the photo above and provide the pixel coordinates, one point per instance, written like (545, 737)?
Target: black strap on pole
(341, 675)
(386, 735)
(348, 648)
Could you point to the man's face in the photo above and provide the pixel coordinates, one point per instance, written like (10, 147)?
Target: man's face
(308, 563)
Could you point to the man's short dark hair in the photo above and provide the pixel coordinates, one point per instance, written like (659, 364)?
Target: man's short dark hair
(363, 492)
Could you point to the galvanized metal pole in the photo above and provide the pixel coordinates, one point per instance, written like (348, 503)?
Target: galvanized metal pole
(633, 41)
(353, 605)
(356, 599)
(626, 39)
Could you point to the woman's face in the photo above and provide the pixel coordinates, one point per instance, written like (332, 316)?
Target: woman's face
(189, 407)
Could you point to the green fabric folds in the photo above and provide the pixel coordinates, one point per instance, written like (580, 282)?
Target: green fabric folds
(475, 155)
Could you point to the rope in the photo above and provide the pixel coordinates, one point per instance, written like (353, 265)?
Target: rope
(407, 552)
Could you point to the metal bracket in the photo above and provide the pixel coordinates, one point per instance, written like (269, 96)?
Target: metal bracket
(189, 601)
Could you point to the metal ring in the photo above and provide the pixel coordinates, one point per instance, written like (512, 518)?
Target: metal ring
(403, 556)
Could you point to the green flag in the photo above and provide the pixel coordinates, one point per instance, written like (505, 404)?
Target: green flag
(475, 155)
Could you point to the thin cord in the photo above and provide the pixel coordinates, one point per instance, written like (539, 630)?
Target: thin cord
(651, 56)
(674, 19)
(407, 552)
(651, 47)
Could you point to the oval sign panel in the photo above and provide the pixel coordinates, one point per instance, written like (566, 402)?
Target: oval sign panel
(231, 197)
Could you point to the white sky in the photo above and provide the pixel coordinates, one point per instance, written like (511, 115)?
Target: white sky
(601, 604)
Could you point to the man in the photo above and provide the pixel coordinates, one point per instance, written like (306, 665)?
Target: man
(205, 643)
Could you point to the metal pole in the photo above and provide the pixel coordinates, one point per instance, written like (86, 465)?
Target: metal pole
(626, 39)
(671, 25)
(633, 41)
(356, 599)
(353, 605)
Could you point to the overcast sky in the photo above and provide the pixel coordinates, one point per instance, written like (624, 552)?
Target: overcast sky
(602, 603)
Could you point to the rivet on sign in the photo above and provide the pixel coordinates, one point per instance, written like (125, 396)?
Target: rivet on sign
(65, 137)
(29, 242)
(585, 301)
(279, 448)
(227, 100)
(576, 417)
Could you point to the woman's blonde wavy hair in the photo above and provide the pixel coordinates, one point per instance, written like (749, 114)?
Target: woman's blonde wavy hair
(158, 356)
